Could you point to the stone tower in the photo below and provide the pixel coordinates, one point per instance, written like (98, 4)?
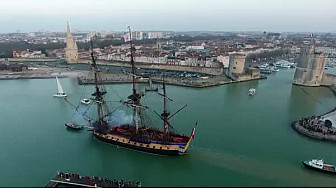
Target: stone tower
(310, 68)
(71, 50)
(236, 65)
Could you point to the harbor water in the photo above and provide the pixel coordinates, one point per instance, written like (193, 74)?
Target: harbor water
(240, 141)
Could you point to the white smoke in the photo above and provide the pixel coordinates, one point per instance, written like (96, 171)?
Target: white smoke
(78, 117)
(120, 117)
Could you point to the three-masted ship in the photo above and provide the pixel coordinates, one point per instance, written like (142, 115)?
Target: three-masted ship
(137, 136)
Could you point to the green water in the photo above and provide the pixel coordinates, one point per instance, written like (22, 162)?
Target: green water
(241, 141)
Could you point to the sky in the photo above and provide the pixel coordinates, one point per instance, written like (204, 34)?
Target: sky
(168, 15)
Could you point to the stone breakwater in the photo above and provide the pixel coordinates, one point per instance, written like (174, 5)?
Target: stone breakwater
(318, 127)
(313, 134)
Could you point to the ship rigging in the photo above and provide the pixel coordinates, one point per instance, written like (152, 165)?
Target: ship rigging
(139, 135)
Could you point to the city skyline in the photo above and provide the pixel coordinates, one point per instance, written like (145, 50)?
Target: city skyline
(147, 15)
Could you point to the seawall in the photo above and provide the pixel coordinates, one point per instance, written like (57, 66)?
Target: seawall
(315, 135)
(205, 70)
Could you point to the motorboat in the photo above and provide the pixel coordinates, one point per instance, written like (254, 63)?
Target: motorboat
(318, 164)
(60, 93)
(252, 92)
(85, 101)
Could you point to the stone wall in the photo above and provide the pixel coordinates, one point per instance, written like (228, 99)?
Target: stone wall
(31, 60)
(310, 69)
(328, 80)
(236, 65)
(205, 70)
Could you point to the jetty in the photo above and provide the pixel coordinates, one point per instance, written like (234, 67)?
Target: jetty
(322, 127)
(75, 180)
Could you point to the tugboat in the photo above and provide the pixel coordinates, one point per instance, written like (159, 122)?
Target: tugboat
(318, 164)
(139, 135)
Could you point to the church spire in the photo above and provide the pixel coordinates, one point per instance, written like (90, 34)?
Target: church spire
(68, 30)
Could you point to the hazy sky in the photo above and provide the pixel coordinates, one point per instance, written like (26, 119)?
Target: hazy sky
(173, 15)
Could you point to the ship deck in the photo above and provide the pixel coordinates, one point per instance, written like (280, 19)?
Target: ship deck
(75, 180)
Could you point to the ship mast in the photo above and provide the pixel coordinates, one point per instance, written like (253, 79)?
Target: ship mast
(135, 97)
(165, 114)
(98, 94)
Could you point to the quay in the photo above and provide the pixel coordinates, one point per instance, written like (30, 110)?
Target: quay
(75, 180)
(185, 82)
(318, 127)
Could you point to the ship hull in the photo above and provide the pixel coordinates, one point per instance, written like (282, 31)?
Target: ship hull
(141, 146)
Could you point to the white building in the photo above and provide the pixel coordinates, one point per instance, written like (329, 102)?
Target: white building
(224, 60)
(155, 35)
(137, 35)
(190, 48)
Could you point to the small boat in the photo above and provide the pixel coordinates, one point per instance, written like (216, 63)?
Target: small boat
(251, 92)
(318, 164)
(282, 65)
(60, 93)
(85, 101)
(265, 71)
(273, 69)
(73, 125)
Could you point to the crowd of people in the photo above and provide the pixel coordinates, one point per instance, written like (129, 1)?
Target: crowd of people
(97, 181)
(316, 124)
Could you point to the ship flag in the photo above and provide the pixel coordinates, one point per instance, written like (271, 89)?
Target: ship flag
(193, 133)
(311, 35)
(127, 37)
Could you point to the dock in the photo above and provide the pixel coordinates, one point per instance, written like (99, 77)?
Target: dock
(75, 180)
(185, 82)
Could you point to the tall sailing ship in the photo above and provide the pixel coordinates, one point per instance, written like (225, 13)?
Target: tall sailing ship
(138, 135)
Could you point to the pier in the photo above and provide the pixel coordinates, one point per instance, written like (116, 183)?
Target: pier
(319, 127)
(75, 180)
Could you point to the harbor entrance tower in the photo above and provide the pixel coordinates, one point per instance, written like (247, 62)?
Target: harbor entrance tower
(71, 50)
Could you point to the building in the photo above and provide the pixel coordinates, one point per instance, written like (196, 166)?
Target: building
(237, 71)
(155, 35)
(71, 50)
(17, 67)
(28, 54)
(224, 60)
(236, 65)
(137, 35)
(3, 66)
(310, 68)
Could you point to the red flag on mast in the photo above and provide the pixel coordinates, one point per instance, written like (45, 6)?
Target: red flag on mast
(127, 37)
(193, 133)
